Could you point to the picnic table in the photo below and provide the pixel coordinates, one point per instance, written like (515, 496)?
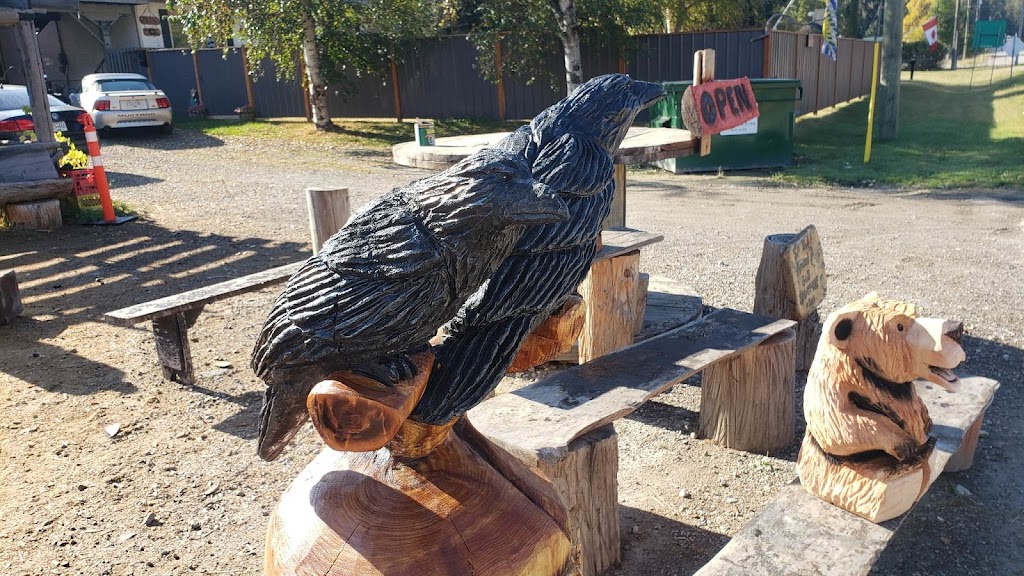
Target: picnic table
(641, 145)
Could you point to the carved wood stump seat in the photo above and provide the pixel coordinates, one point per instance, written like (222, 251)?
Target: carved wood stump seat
(437, 500)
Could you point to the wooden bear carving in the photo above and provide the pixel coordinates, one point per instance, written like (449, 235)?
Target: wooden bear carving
(867, 447)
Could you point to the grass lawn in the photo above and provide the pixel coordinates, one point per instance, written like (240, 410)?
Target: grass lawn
(949, 136)
(378, 134)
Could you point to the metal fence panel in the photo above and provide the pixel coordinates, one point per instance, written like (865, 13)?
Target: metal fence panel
(174, 73)
(440, 80)
(366, 96)
(223, 80)
(277, 98)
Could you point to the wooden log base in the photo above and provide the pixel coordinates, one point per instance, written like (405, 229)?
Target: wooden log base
(610, 293)
(10, 297)
(353, 413)
(451, 512)
(40, 215)
(748, 401)
(873, 489)
(586, 478)
(808, 332)
(555, 336)
(790, 281)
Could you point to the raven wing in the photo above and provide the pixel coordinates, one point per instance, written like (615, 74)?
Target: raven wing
(370, 290)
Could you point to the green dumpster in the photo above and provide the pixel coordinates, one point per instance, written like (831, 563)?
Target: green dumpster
(766, 141)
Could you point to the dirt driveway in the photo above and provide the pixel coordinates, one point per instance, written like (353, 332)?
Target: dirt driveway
(179, 489)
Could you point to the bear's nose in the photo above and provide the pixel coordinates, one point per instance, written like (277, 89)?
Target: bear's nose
(953, 330)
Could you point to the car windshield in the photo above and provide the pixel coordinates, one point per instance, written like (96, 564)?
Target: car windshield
(124, 85)
(16, 98)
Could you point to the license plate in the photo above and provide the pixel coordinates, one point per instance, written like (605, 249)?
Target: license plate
(60, 126)
(134, 104)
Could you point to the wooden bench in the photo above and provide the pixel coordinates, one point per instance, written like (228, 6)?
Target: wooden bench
(172, 316)
(800, 534)
(562, 425)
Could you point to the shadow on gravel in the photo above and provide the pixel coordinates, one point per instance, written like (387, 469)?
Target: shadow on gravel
(644, 550)
(126, 180)
(76, 274)
(152, 139)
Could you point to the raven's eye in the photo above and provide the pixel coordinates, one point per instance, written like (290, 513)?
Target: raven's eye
(506, 178)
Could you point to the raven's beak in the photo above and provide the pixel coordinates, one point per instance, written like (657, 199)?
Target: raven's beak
(545, 208)
(647, 92)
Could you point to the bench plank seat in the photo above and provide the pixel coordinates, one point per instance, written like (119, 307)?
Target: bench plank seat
(800, 534)
(201, 296)
(539, 421)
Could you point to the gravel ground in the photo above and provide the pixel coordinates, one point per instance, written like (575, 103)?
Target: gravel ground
(178, 489)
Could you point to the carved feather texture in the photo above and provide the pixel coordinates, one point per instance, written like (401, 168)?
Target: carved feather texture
(569, 148)
(396, 272)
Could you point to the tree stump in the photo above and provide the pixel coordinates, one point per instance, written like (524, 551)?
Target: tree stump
(610, 293)
(10, 297)
(748, 401)
(586, 478)
(40, 215)
(328, 211)
(434, 502)
(791, 284)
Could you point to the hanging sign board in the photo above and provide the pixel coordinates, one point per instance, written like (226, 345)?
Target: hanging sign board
(718, 105)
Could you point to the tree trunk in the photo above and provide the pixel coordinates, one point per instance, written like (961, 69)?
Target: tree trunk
(314, 79)
(569, 33)
(892, 59)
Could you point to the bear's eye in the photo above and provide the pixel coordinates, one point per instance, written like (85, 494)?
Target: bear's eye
(899, 327)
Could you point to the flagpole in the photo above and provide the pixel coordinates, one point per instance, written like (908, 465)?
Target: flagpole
(871, 104)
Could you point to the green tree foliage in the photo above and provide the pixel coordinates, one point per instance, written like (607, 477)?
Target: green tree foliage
(918, 12)
(350, 38)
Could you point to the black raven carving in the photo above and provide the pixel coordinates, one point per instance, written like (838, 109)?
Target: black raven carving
(382, 286)
(569, 148)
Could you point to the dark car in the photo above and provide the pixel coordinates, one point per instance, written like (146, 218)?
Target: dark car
(16, 123)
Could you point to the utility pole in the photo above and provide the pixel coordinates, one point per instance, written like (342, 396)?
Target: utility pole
(956, 22)
(967, 23)
(892, 59)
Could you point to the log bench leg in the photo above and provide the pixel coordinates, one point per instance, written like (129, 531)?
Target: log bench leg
(171, 334)
(586, 479)
(748, 402)
(963, 458)
(610, 292)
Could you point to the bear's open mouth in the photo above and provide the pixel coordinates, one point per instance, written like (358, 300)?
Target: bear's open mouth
(944, 373)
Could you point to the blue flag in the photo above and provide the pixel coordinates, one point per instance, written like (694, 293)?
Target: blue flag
(828, 29)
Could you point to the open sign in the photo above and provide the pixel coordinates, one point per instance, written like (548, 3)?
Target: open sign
(719, 105)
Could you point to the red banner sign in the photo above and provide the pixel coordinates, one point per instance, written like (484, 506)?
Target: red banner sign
(719, 105)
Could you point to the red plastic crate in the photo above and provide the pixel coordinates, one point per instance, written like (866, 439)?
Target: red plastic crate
(84, 187)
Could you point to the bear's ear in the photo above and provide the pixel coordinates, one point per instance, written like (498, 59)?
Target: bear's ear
(872, 297)
(841, 328)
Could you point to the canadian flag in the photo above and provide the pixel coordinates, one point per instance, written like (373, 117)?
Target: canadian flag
(931, 33)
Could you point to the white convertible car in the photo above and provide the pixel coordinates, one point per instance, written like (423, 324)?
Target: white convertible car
(117, 100)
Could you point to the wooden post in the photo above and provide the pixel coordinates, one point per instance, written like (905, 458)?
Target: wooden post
(748, 402)
(704, 71)
(10, 297)
(199, 81)
(892, 61)
(395, 91)
(609, 291)
(33, 63)
(499, 64)
(766, 63)
(586, 479)
(791, 283)
(249, 91)
(39, 215)
(328, 211)
(641, 302)
(617, 215)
